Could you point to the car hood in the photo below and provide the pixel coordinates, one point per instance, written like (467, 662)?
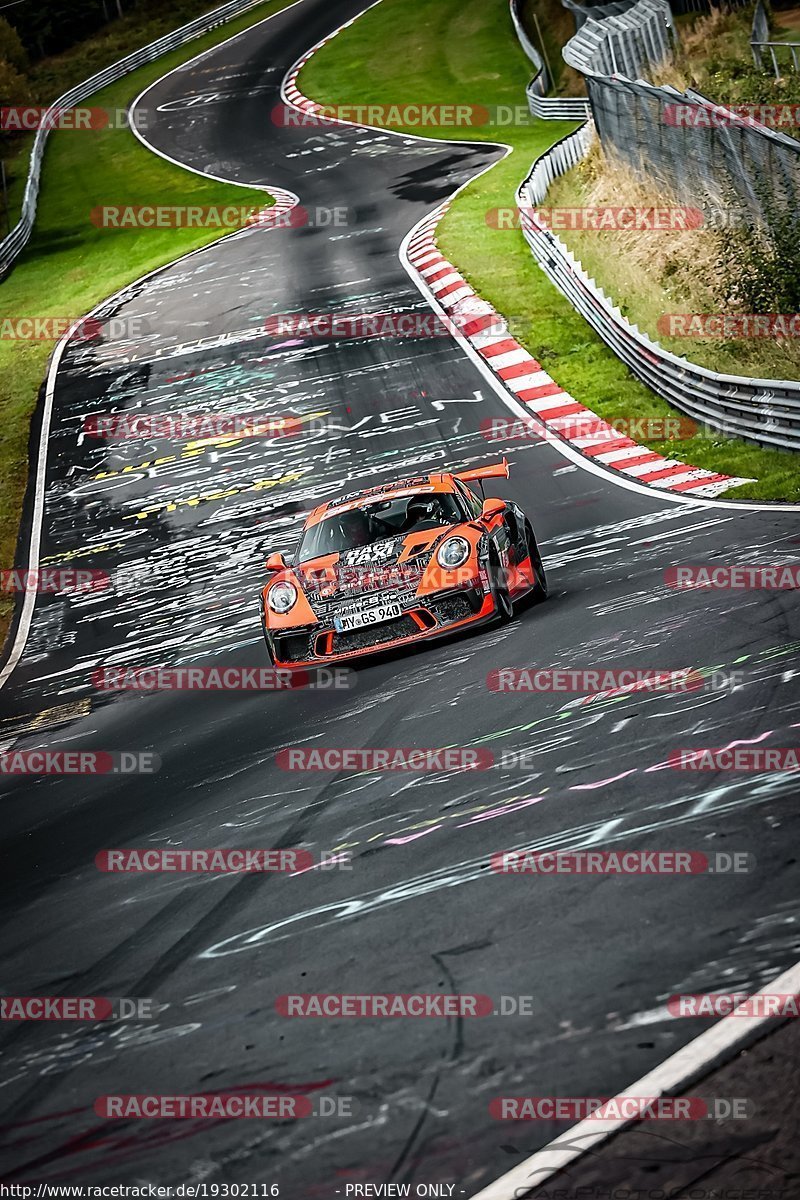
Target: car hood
(398, 549)
(389, 563)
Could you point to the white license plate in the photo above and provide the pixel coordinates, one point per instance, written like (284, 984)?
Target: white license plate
(367, 616)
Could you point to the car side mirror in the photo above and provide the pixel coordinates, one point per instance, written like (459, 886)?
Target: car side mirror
(276, 562)
(492, 508)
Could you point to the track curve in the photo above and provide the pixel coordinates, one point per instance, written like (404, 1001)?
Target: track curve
(183, 533)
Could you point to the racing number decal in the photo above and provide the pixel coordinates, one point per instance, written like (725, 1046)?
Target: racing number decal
(377, 553)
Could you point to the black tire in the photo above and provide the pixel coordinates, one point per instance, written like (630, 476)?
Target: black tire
(499, 587)
(540, 590)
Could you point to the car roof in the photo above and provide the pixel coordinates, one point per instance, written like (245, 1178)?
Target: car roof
(443, 482)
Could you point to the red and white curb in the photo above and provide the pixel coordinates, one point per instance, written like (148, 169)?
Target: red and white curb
(275, 215)
(525, 379)
(291, 92)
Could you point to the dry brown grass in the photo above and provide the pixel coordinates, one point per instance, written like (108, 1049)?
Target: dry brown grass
(670, 74)
(682, 264)
(707, 30)
(649, 273)
(787, 18)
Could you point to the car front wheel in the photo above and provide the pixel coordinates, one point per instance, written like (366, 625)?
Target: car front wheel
(499, 588)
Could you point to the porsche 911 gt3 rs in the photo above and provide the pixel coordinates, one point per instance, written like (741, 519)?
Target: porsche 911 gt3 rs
(400, 563)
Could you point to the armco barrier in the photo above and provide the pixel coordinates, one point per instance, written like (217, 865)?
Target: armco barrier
(557, 108)
(626, 43)
(12, 245)
(699, 150)
(547, 108)
(583, 12)
(766, 411)
(760, 41)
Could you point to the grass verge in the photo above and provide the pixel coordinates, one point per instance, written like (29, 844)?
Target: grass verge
(465, 51)
(70, 265)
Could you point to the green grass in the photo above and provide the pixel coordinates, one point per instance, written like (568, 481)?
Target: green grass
(465, 51)
(69, 265)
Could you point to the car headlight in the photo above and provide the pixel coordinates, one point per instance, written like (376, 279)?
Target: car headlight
(453, 553)
(281, 597)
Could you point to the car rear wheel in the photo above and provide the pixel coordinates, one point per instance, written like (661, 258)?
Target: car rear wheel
(540, 588)
(499, 588)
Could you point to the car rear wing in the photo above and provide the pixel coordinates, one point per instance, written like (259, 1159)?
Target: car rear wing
(492, 471)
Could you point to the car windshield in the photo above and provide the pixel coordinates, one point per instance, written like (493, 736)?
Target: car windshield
(377, 521)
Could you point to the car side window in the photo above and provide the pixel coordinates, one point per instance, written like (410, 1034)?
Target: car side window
(471, 500)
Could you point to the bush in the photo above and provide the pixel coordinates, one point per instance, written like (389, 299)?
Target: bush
(14, 90)
(761, 264)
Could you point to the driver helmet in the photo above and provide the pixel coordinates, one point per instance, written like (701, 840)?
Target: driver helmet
(422, 508)
(354, 526)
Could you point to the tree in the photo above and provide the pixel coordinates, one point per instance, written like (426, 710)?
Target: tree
(14, 87)
(50, 26)
(14, 92)
(12, 50)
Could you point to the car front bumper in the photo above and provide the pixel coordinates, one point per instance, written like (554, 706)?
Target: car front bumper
(437, 615)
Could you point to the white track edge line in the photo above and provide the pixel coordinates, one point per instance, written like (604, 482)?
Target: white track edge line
(716, 1039)
(668, 1078)
(291, 78)
(563, 447)
(23, 628)
(182, 66)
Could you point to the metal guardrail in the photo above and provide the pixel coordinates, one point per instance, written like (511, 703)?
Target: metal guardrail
(759, 31)
(766, 411)
(628, 44)
(546, 108)
(583, 12)
(773, 47)
(13, 244)
(529, 48)
(698, 150)
(554, 108)
(760, 41)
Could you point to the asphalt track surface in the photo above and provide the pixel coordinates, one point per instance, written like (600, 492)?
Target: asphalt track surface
(419, 909)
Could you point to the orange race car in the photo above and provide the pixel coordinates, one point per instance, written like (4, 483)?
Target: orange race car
(396, 564)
